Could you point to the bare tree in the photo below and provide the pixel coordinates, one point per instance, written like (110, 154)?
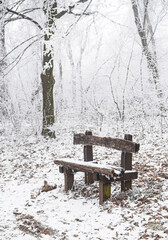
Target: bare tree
(3, 84)
(47, 78)
(73, 67)
(146, 35)
(48, 81)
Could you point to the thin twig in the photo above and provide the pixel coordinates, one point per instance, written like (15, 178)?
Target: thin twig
(19, 57)
(81, 15)
(109, 19)
(25, 17)
(19, 46)
(126, 80)
(112, 92)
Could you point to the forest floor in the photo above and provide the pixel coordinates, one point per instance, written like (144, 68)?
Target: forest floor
(27, 212)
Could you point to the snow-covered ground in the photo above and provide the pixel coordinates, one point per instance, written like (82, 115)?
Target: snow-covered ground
(26, 212)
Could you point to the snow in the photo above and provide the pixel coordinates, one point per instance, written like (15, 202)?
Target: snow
(27, 212)
(110, 168)
(102, 63)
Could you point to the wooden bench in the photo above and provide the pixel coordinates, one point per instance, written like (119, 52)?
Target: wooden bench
(103, 173)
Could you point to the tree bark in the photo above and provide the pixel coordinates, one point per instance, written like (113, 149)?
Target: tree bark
(150, 56)
(3, 85)
(47, 77)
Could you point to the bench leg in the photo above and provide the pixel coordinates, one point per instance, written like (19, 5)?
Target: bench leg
(104, 189)
(89, 178)
(126, 163)
(88, 156)
(126, 185)
(69, 179)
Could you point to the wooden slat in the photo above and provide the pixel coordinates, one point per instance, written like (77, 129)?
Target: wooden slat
(90, 167)
(116, 143)
(126, 163)
(88, 156)
(68, 179)
(128, 175)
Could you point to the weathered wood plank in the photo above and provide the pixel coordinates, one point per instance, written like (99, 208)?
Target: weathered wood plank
(126, 163)
(61, 169)
(128, 175)
(69, 179)
(116, 143)
(88, 156)
(110, 171)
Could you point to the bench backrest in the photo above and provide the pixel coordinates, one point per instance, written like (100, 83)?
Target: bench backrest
(126, 146)
(115, 143)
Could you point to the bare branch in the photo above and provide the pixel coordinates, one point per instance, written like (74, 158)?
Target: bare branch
(145, 13)
(25, 17)
(82, 1)
(61, 14)
(109, 19)
(17, 4)
(126, 80)
(81, 15)
(19, 57)
(30, 10)
(111, 87)
(19, 46)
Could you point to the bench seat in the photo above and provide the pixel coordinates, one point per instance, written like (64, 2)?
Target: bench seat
(111, 171)
(106, 174)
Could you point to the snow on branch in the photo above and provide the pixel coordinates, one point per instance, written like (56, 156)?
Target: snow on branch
(23, 16)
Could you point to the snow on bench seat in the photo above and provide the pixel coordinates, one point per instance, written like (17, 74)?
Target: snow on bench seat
(111, 171)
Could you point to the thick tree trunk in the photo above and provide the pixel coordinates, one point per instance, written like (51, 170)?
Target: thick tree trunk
(50, 10)
(48, 99)
(2, 39)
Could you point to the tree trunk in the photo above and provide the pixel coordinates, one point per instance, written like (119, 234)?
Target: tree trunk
(3, 85)
(149, 54)
(73, 76)
(50, 10)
